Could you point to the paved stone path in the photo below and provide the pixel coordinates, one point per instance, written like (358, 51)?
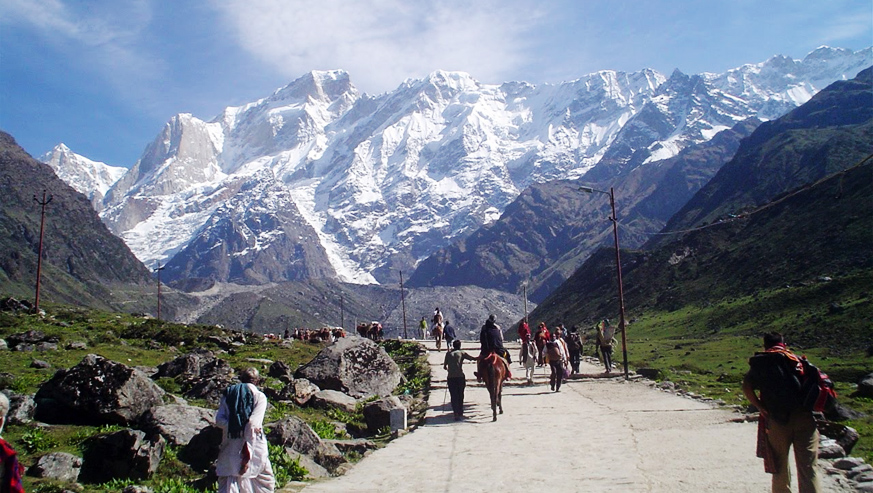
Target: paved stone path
(596, 435)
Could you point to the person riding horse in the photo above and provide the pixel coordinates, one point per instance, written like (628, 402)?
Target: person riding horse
(491, 341)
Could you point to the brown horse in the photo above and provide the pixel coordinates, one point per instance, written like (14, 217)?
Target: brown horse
(493, 371)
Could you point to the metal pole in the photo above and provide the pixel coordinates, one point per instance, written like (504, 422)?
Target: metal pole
(525, 301)
(621, 321)
(403, 303)
(342, 314)
(158, 270)
(42, 203)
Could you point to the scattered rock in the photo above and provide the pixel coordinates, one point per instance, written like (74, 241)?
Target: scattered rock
(202, 450)
(293, 432)
(848, 463)
(353, 365)
(59, 466)
(21, 408)
(77, 346)
(650, 373)
(125, 454)
(332, 399)
(377, 414)
(38, 363)
(178, 424)
(97, 391)
(303, 390)
(282, 371)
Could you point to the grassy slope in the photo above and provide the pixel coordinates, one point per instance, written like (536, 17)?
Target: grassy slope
(131, 340)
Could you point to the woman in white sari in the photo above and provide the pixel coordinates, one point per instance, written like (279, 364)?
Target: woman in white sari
(243, 464)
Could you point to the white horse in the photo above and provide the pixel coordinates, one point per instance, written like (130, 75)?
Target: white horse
(528, 358)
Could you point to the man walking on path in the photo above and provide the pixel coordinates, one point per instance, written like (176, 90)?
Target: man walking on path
(456, 380)
(423, 326)
(777, 373)
(605, 340)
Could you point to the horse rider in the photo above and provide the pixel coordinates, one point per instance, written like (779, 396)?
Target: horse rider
(491, 341)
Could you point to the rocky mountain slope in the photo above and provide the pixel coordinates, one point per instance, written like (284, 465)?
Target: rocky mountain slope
(83, 262)
(801, 188)
(91, 178)
(384, 181)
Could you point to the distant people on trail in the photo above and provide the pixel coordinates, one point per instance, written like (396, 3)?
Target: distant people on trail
(784, 422)
(437, 317)
(438, 336)
(243, 463)
(449, 334)
(605, 342)
(523, 332)
(574, 347)
(557, 355)
(529, 360)
(10, 469)
(456, 380)
(423, 326)
(491, 342)
(287, 334)
(541, 337)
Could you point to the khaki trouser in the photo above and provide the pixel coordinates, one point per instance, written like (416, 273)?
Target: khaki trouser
(801, 433)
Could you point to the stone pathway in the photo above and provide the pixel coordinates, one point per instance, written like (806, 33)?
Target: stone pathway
(596, 435)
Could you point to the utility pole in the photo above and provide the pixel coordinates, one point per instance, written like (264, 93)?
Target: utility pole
(403, 303)
(44, 202)
(158, 269)
(342, 314)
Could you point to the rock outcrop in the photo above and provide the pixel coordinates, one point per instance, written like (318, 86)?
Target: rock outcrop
(355, 366)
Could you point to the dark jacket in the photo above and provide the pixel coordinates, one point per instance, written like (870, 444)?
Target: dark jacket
(778, 379)
(490, 339)
(449, 333)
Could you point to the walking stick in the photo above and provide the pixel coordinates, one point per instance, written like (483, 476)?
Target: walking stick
(446, 393)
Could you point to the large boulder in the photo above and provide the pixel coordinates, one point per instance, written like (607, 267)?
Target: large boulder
(177, 423)
(97, 391)
(355, 366)
(200, 373)
(125, 454)
(59, 466)
(292, 432)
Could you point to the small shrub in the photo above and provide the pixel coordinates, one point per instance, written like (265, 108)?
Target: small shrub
(37, 440)
(324, 429)
(284, 467)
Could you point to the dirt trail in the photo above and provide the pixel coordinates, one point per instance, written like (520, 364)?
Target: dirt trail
(597, 434)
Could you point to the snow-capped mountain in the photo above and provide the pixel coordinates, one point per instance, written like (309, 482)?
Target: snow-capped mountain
(384, 181)
(91, 178)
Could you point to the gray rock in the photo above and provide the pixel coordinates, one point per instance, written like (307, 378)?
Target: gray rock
(864, 487)
(202, 450)
(848, 463)
(59, 466)
(303, 390)
(864, 477)
(831, 450)
(355, 366)
(77, 346)
(21, 408)
(292, 432)
(865, 385)
(332, 399)
(650, 373)
(3, 345)
(38, 363)
(846, 437)
(97, 391)
(188, 365)
(314, 470)
(377, 414)
(357, 445)
(46, 346)
(282, 371)
(859, 469)
(125, 454)
(137, 488)
(177, 423)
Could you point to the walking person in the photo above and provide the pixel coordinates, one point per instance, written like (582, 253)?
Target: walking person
(456, 380)
(449, 334)
(423, 326)
(784, 422)
(243, 464)
(605, 341)
(438, 336)
(529, 360)
(574, 347)
(10, 469)
(540, 339)
(557, 358)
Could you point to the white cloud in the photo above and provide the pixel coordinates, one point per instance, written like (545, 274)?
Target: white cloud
(382, 42)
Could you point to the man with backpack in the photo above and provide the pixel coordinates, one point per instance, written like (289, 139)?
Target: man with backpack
(778, 374)
(574, 347)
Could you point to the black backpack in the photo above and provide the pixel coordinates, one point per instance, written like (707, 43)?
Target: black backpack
(816, 389)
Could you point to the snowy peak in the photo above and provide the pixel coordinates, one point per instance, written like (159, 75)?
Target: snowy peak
(91, 178)
(379, 183)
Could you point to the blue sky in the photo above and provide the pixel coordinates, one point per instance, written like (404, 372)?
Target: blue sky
(103, 76)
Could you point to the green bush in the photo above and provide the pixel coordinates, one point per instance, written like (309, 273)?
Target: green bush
(37, 440)
(284, 467)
